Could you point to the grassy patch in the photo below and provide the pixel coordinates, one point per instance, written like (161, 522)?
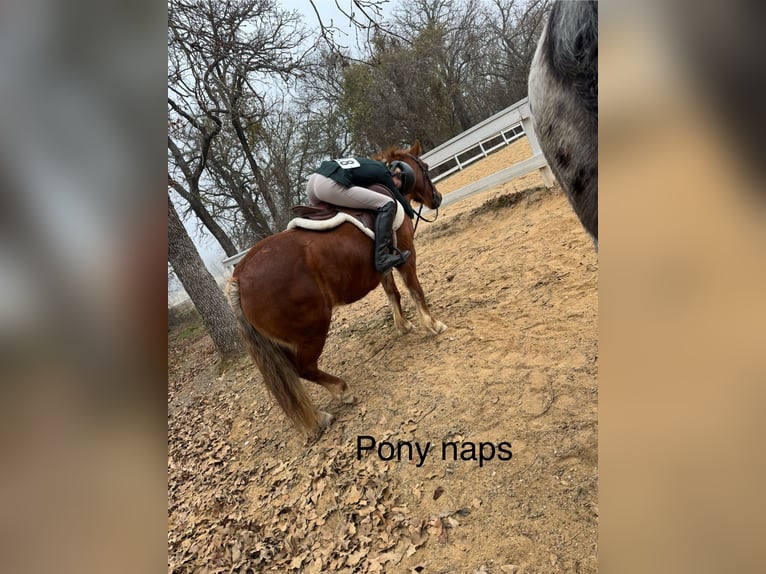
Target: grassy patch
(184, 322)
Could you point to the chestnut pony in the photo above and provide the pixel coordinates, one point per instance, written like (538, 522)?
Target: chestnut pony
(283, 292)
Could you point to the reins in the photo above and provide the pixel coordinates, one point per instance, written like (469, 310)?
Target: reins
(419, 217)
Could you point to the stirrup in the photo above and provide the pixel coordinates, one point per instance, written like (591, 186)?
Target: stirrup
(404, 255)
(386, 263)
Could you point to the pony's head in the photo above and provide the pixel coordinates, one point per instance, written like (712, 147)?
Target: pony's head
(423, 191)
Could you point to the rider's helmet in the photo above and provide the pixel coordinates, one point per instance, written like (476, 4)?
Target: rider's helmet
(408, 176)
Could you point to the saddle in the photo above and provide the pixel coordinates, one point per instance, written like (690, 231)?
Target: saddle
(325, 216)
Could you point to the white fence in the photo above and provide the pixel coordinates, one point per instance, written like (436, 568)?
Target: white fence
(474, 144)
(482, 139)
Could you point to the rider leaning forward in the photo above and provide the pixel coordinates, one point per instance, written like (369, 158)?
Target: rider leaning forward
(344, 182)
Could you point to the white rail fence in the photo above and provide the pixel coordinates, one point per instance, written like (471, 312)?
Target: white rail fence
(482, 139)
(474, 144)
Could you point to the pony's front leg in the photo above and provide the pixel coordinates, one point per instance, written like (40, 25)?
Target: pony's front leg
(410, 277)
(403, 325)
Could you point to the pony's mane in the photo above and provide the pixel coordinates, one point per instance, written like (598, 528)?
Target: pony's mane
(391, 154)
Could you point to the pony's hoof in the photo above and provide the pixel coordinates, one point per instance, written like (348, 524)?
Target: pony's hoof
(439, 327)
(405, 328)
(348, 398)
(324, 420)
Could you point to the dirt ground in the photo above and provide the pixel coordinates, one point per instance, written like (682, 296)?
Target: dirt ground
(513, 275)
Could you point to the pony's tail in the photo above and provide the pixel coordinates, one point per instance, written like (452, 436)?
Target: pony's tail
(278, 371)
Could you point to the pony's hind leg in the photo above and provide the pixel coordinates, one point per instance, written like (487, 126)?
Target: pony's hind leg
(306, 358)
(407, 272)
(403, 325)
(337, 386)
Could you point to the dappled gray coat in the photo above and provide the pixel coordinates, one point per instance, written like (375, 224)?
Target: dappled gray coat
(563, 97)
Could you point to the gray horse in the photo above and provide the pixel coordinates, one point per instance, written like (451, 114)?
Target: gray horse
(563, 97)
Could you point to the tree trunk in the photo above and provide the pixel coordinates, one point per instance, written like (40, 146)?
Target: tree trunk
(207, 220)
(201, 287)
(261, 184)
(193, 195)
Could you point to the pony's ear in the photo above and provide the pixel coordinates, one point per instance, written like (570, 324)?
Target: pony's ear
(415, 149)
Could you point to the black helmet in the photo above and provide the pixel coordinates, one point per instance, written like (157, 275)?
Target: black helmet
(408, 176)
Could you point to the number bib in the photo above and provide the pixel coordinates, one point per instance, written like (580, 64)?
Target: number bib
(347, 162)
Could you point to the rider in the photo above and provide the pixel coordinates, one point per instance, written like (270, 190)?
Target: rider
(344, 182)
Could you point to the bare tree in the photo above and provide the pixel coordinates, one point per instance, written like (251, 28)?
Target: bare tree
(192, 175)
(396, 98)
(365, 17)
(201, 287)
(455, 34)
(447, 65)
(325, 123)
(224, 59)
(517, 25)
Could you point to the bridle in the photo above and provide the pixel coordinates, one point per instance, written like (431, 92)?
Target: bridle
(424, 169)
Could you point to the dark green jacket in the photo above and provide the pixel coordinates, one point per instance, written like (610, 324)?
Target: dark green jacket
(369, 172)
